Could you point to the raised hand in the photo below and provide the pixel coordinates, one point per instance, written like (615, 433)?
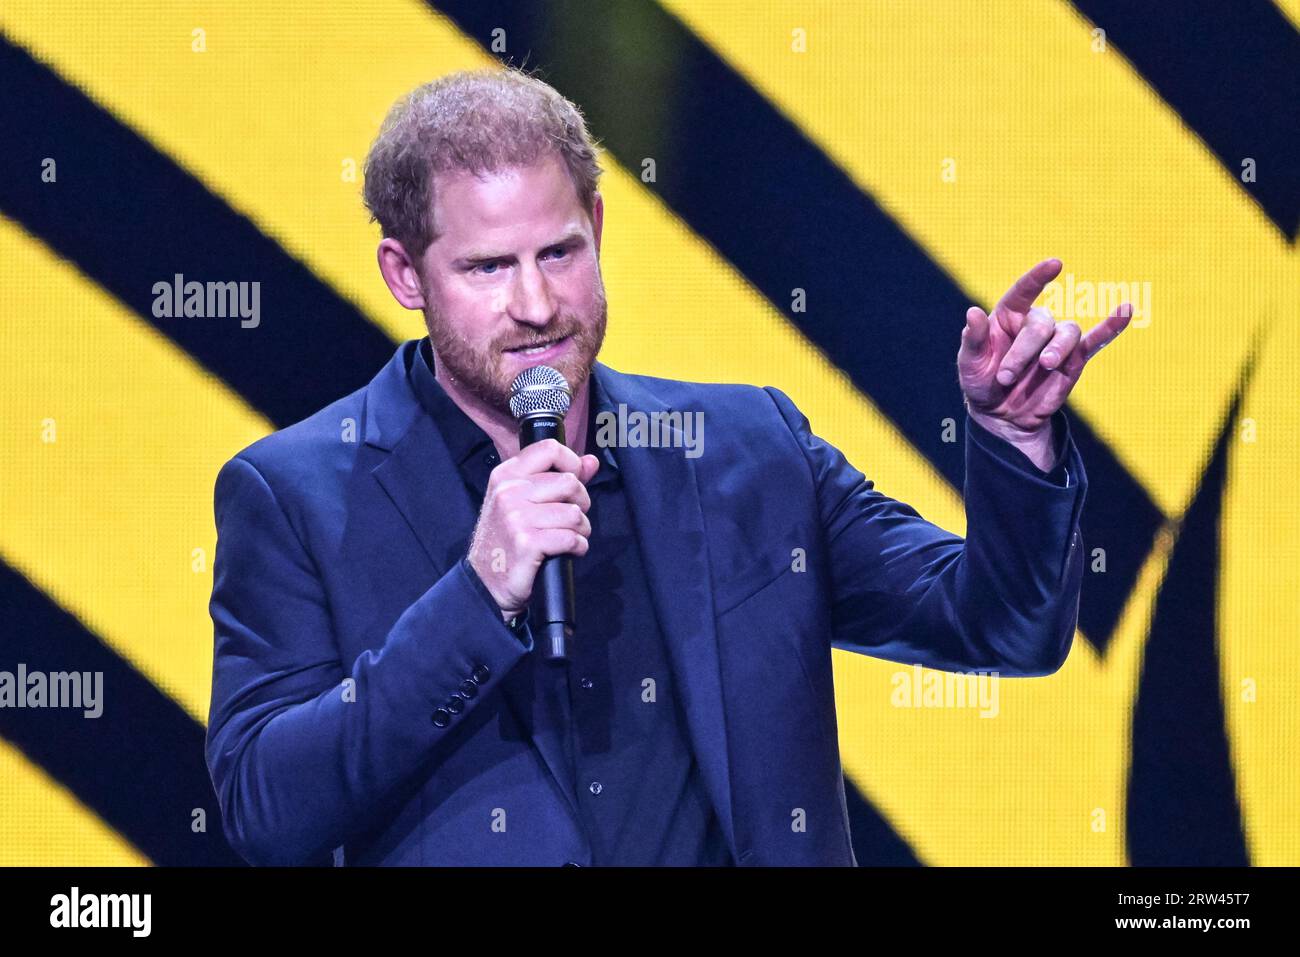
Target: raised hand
(1017, 366)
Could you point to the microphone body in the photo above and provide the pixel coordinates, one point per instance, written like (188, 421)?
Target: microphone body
(551, 607)
(540, 398)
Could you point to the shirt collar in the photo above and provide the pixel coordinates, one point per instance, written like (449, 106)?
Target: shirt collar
(465, 438)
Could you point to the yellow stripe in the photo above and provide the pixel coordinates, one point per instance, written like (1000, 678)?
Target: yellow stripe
(44, 825)
(684, 294)
(106, 518)
(1059, 151)
(287, 105)
(1041, 782)
(1259, 612)
(1292, 10)
(267, 117)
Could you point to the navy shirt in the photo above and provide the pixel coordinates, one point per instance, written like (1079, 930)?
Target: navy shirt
(640, 793)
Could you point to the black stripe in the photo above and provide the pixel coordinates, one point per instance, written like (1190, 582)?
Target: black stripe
(129, 217)
(1232, 71)
(748, 182)
(1182, 793)
(140, 765)
(875, 842)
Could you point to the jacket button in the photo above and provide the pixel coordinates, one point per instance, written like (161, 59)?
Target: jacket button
(455, 704)
(442, 718)
(468, 688)
(481, 674)
(572, 864)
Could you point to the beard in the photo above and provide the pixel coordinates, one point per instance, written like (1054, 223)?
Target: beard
(481, 372)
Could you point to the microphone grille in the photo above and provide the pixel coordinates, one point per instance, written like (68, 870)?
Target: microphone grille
(539, 389)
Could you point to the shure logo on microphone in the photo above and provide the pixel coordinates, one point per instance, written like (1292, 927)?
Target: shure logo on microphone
(656, 430)
(102, 910)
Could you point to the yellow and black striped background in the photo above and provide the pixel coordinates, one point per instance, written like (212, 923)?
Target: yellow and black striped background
(896, 160)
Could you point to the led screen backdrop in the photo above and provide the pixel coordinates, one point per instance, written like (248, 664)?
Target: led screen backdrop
(805, 195)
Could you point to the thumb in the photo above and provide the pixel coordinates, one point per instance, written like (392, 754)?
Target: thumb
(975, 334)
(590, 465)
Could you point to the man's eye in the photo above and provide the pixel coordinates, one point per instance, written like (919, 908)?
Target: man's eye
(486, 266)
(559, 249)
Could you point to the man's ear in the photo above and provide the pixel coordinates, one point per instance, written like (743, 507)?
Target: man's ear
(399, 272)
(597, 220)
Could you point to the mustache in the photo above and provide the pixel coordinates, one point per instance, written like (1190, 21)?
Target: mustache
(539, 340)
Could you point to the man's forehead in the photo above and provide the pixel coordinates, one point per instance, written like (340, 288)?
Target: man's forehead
(544, 183)
(504, 209)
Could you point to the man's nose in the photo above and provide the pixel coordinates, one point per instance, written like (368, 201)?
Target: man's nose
(531, 301)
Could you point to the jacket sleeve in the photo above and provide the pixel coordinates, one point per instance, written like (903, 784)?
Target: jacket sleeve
(303, 752)
(1004, 599)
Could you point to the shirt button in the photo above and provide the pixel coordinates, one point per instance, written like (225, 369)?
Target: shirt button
(595, 787)
(490, 458)
(585, 682)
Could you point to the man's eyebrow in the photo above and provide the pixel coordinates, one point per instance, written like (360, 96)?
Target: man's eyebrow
(482, 257)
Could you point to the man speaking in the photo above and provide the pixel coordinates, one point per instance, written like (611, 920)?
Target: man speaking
(378, 696)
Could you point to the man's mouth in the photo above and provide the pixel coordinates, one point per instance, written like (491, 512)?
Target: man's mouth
(537, 350)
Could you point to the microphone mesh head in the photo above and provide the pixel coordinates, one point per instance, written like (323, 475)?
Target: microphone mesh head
(539, 389)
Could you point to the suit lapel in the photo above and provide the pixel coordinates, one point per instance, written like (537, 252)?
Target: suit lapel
(425, 486)
(663, 497)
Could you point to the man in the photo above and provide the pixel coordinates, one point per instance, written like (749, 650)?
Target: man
(376, 693)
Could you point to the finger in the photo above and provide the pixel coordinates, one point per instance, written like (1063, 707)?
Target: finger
(561, 541)
(1063, 342)
(560, 515)
(542, 457)
(974, 336)
(559, 487)
(1021, 296)
(590, 466)
(1102, 334)
(1061, 380)
(1034, 334)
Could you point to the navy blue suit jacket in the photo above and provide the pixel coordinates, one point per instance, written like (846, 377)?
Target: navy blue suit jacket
(344, 619)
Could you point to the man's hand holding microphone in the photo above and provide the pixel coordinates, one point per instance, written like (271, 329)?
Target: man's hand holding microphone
(535, 507)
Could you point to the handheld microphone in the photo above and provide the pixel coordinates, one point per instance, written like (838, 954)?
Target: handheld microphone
(539, 399)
